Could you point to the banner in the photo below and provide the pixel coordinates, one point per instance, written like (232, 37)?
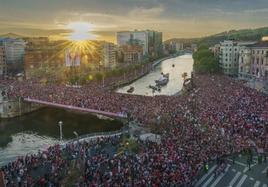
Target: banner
(68, 58)
(77, 59)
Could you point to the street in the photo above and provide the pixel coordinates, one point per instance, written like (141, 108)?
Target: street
(236, 175)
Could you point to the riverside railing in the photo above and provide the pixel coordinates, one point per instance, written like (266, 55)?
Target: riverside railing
(97, 135)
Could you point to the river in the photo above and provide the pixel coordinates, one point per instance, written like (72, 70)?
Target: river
(39, 129)
(181, 64)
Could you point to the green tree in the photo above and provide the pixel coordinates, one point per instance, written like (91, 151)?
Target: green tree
(204, 61)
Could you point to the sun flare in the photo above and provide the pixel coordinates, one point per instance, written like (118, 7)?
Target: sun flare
(81, 31)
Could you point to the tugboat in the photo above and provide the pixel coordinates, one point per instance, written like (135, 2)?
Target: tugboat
(130, 90)
(163, 80)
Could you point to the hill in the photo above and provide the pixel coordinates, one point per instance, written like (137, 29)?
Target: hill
(243, 35)
(10, 35)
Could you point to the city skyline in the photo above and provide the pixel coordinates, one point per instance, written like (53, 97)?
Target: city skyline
(180, 19)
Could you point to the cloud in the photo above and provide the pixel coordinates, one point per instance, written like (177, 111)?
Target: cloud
(176, 18)
(146, 12)
(257, 11)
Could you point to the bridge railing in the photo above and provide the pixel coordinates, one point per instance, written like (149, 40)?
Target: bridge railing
(120, 115)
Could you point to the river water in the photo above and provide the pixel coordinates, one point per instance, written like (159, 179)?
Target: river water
(181, 64)
(38, 130)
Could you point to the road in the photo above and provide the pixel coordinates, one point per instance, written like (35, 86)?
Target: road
(236, 174)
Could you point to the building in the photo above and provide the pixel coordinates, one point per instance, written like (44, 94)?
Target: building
(151, 41)
(109, 59)
(194, 47)
(253, 61)
(41, 51)
(3, 65)
(173, 47)
(216, 49)
(132, 53)
(178, 46)
(229, 56)
(14, 54)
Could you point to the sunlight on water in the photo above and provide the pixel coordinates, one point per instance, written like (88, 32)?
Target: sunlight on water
(181, 64)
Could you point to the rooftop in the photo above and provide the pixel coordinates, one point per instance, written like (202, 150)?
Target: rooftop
(259, 44)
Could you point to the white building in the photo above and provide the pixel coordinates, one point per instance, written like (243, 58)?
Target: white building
(109, 55)
(179, 46)
(229, 56)
(253, 61)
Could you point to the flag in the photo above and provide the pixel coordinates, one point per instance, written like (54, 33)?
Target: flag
(68, 59)
(77, 59)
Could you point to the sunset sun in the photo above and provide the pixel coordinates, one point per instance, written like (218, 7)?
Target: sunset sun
(81, 31)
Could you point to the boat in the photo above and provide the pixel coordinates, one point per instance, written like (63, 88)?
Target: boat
(163, 80)
(155, 88)
(130, 90)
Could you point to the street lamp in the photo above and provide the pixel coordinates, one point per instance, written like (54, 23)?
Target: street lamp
(76, 134)
(60, 125)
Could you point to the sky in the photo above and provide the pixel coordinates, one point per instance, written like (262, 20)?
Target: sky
(175, 18)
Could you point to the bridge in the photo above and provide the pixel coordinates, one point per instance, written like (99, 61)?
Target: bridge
(80, 109)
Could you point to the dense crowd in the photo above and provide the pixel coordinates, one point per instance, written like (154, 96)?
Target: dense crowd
(219, 117)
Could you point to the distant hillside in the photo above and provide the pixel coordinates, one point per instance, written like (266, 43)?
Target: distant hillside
(243, 35)
(184, 40)
(10, 35)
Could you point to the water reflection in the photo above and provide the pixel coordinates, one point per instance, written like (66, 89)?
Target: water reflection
(38, 130)
(175, 67)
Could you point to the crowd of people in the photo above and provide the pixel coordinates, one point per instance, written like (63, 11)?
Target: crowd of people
(219, 117)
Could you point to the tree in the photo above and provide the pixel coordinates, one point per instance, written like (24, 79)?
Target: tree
(98, 76)
(184, 76)
(204, 61)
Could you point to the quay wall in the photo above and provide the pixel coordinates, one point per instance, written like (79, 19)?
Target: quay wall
(15, 108)
(10, 108)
